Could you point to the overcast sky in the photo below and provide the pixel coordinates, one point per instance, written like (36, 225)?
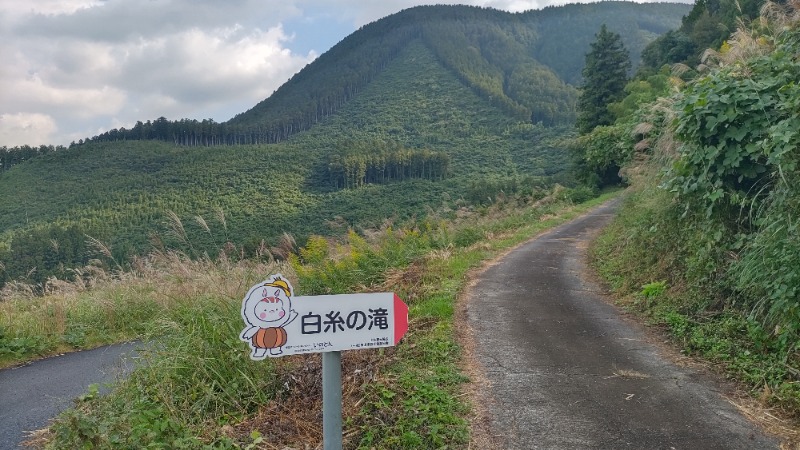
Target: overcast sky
(72, 69)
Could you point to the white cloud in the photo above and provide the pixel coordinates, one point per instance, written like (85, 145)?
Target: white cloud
(361, 12)
(197, 66)
(90, 66)
(59, 79)
(203, 72)
(126, 20)
(25, 128)
(18, 8)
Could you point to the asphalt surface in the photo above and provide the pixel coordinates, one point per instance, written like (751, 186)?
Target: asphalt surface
(33, 394)
(565, 370)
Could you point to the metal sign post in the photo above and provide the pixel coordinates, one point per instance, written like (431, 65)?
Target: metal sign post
(279, 324)
(332, 400)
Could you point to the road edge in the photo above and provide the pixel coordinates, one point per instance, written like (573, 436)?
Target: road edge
(476, 390)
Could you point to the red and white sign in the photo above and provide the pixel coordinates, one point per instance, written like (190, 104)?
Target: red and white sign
(279, 324)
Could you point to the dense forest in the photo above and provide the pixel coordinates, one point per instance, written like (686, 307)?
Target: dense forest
(10, 157)
(707, 26)
(354, 164)
(122, 194)
(430, 108)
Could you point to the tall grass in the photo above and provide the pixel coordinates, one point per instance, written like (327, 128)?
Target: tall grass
(198, 388)
(100, 307)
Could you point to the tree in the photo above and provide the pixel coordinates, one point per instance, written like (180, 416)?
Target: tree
(670, 48)
(605, 76)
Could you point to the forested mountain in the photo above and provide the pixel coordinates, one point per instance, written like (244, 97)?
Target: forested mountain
(431, 108)
(528, 64)
(574, 26)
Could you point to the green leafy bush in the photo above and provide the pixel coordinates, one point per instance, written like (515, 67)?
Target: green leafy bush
(740, 130)
(601, 153)
(714, 209)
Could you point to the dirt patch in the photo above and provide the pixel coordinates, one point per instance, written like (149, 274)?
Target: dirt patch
(294, 420)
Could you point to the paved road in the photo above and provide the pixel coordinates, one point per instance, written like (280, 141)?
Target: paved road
(566, 371)
(31, 395)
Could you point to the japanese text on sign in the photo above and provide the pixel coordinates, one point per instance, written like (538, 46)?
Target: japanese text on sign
(278, 324)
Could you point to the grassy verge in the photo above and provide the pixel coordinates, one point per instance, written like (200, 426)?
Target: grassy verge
(644, 254)
(102, 308)
(198, 388)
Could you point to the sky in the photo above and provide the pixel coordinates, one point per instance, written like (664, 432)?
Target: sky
(75, 68)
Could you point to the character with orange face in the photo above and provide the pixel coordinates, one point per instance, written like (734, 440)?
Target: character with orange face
(266, 309)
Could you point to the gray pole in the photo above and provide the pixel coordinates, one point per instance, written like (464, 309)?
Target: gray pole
(332, 400)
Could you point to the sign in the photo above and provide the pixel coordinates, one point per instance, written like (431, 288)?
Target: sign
(279, 324)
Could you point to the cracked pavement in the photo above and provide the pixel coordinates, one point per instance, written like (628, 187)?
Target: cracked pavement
(564, 369)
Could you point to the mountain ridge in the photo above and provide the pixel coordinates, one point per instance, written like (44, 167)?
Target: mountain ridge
(412, 22)
(136, 193)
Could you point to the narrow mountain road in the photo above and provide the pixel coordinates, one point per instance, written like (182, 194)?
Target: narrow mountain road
(33, 394)
(563, 369)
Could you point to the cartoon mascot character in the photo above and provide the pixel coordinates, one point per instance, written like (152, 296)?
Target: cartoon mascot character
(266, 309)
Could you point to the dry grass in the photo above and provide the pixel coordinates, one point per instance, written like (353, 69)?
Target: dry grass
(173, 275)
(755, 39)
(37, 438)
(773, 421)
(295, 420)
(629, 374)
(155, 285)
(409, 279)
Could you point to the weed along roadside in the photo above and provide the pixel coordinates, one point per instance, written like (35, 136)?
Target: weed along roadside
(354, 322)
(200, 387)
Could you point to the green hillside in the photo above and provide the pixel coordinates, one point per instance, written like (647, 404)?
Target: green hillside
(706, 244)
(519, 62)
(421, 127)
(571, 27)
(527, 64)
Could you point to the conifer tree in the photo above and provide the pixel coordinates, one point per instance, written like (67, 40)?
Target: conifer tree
(605, 76)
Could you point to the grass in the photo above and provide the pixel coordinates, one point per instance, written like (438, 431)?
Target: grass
(199, 389)
(106, 308)
(643, 256)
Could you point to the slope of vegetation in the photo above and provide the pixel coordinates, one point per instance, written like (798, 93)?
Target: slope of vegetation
(707, 241)
(525, 63)
(708, 25)
(493, 52)
(121, 193)
(198, 386)
(459, 88)
(574, 26)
